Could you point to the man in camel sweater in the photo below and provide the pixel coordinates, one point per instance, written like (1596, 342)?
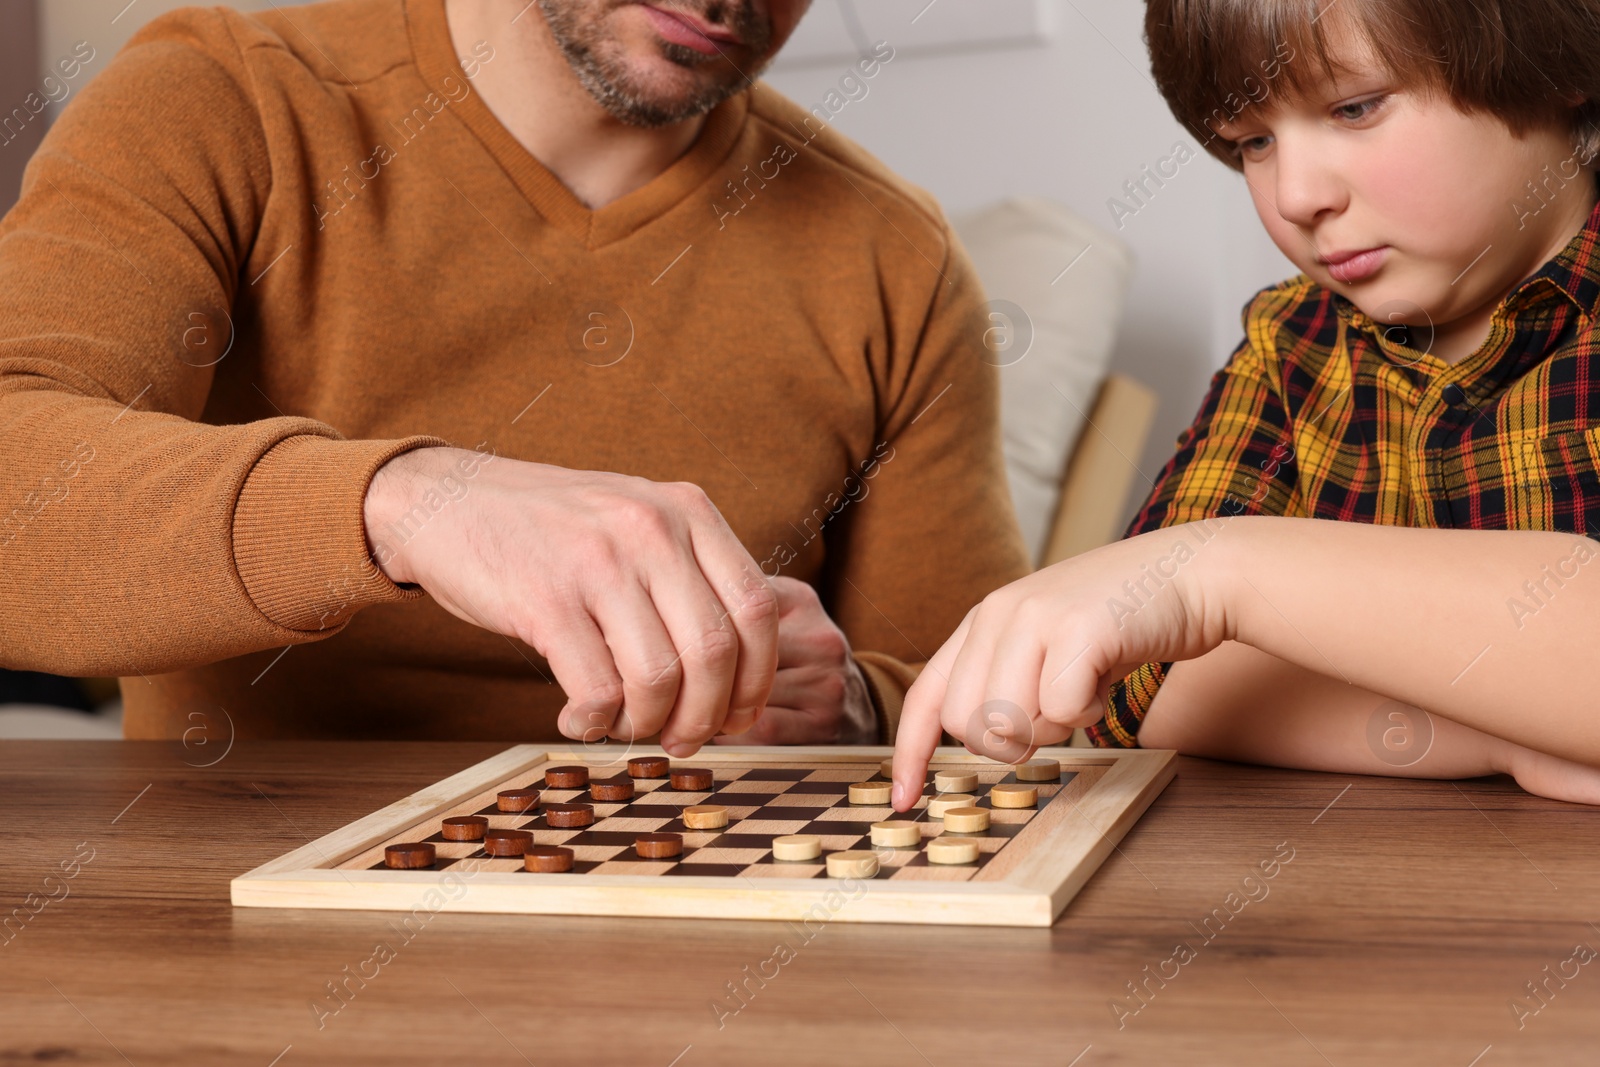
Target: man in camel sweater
(486, 369)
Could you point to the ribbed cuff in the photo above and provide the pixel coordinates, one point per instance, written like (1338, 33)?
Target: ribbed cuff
(299, 531)
(888, 681)
(1126, 706)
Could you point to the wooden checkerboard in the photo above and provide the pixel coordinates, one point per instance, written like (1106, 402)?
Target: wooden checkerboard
(1030, 863)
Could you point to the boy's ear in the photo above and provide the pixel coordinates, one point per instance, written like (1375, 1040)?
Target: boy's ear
(1586, 133)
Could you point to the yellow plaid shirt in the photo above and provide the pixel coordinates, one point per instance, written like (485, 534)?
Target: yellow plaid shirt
(1324, 413)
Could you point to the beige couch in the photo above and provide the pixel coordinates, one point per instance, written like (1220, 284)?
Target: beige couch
(1073, 431)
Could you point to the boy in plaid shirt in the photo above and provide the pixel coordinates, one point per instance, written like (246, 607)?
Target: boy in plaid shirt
(1372, 551)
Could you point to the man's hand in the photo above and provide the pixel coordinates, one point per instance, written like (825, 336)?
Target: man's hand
(1036, 659)
(649, 610)
(819, 696)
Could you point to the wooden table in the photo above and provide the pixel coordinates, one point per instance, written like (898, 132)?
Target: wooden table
(1400, 924)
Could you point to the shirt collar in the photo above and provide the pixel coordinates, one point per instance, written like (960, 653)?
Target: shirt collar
(1574, 272)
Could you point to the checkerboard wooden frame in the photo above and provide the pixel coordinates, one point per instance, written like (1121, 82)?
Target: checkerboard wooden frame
(1033, 861)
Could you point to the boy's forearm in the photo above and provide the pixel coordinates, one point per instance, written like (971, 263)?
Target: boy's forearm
(1239, 703)
(1489, 628)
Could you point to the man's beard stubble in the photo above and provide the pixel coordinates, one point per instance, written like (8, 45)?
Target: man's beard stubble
(576, 26)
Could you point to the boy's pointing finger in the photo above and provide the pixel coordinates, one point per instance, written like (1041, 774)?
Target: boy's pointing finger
(921, 720)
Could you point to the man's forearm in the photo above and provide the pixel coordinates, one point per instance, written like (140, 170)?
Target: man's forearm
(1489, 628)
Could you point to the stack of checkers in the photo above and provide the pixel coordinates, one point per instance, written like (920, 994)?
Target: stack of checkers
(752, 822)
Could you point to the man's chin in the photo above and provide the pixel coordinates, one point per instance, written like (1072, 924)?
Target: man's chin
(663, 92)
(642, 80)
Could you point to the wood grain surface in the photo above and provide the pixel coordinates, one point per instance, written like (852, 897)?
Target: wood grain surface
(1267, 917)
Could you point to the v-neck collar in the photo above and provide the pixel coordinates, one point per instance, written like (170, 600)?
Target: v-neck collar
(436, 60)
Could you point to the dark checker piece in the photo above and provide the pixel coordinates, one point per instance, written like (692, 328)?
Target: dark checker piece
(547, 859)
(648, 767)
(463, 828)
(517, 799)
(565, 815)
(409, 857)
(658, 846)
(691, 779)
(566, 777)
(507, 842)
(612, 789)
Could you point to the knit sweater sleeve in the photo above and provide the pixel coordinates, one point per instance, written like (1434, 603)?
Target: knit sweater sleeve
(134, 537)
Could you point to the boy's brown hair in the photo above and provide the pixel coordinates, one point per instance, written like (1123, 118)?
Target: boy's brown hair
(1526, 61)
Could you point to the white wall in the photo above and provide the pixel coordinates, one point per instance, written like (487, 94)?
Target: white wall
(105, 24)
(1071, 119)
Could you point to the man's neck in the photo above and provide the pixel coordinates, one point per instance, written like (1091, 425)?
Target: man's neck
(532, 90)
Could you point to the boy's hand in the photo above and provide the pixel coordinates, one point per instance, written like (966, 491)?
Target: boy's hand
(1035, 659)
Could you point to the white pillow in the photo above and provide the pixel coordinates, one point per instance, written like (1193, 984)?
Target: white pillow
(1056, 286)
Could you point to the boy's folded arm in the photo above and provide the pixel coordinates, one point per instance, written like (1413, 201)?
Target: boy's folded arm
(1239, 703)
(1428, 617)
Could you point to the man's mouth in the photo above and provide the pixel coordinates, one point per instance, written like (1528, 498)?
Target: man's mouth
(691, 31)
